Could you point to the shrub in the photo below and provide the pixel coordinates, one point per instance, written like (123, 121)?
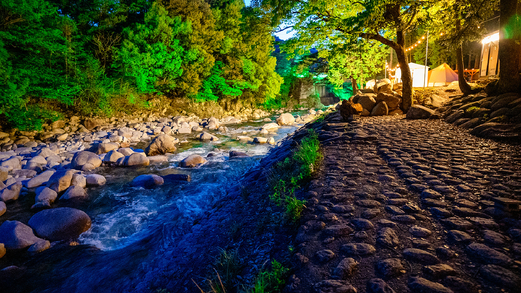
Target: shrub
(271, 281)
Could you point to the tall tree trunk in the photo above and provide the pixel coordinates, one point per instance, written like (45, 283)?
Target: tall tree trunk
(477, 60)
(354, 86)
(509, 50)
(407, 92)
(463, 85)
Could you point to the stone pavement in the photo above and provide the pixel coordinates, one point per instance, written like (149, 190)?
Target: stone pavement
(410, 206)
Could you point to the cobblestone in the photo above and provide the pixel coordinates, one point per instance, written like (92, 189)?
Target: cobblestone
(420, 199)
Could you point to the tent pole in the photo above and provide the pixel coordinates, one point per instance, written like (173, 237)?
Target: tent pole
(426, 74)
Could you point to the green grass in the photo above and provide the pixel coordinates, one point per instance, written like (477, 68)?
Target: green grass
(287, 176)
(272, 280)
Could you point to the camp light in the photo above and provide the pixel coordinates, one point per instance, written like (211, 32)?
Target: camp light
(490, 39)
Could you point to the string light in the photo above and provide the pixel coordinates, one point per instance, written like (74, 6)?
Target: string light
(417, 43)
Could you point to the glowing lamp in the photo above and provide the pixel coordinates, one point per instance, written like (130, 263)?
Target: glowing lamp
(490, 39)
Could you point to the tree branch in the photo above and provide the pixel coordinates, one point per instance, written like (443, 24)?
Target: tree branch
(380, 39)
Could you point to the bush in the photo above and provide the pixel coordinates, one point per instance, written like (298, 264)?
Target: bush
(271, 281)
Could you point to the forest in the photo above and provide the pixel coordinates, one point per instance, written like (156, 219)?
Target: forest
(98, 57)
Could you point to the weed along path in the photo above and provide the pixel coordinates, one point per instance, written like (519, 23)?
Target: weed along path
(409, 206)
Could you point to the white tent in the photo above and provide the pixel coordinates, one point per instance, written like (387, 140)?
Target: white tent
(419, 74)
(442, 75)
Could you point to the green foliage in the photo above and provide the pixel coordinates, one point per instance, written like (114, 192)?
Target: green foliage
(288, 175)
(271, 281)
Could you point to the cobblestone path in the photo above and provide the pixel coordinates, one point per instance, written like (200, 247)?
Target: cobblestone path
(410, 206)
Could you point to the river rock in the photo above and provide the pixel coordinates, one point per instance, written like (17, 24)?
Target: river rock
(95, 180)
(85, 157)
(74, 192)
(79, 180)
(107, 147)
(112, 157)
(501, 276)
(161, 145)
(13, 163)
(60, 180)
(136, 160)
(16, 235)
(60, 223)
(2, 250)
(192, 161)
(12, 192)
(234, 154)
(147, 181)
(3, 174)
(367, 101)
(345, 268)
(488, 255)
(387, 237)
(271, 127)
(45, 194)
(348, 108)
(260, 140)
(126, 151)
(392, 101)
(334, 286)
(157, 159)
(421, 256)
(3, 208)
(207, 136)
(377, 285)
(390, 267)
(285, 119)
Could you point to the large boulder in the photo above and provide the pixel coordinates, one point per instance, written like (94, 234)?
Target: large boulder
(367, 101)
(40, 179)
(348, 108)
(161, 145)
(83, 158)
(380, 109)
(393, 102)
(10, 164)
(419, 112)
(286, 119)
(136, 160)
(17, 235)
(45, 194)
(79, 180)
(192, 161)
(107, 147)
(74, 192)
(12, 192)
(60, 223)
(147, 181)
(61, 180)
(271, 126)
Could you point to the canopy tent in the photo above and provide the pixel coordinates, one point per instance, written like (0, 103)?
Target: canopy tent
(418, 73)
(442, 75)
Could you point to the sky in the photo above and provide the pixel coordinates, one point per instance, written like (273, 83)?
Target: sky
(287, 34)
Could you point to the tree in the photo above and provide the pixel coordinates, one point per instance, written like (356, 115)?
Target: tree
(509, 46)
(377, 20)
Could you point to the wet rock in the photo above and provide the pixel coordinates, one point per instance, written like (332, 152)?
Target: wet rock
(500, 276)
(12, 192)
(488, 255)
(417, 231)
(173, 178)
(83, 158)
(334, 286)
(207, 136)
(260, 140)
(60, 223)
(16, 235)
(147, 181)
(325, 255)
(439, 271)
(420, 256)
(390, 267)
(192, 161)
(286, 119)
(345, 268)
(39, 246)
(460, 236)
(377, 285)
(358, 249)
(74, 192)
(157, 159)
(234, 154)
(95, 180)
(387, 237)
(161, 145)
(419, 112)
(421, 285)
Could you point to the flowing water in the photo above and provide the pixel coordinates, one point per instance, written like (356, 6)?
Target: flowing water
(133, 229)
